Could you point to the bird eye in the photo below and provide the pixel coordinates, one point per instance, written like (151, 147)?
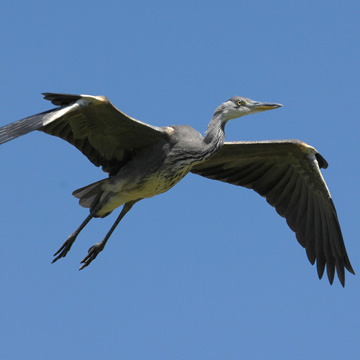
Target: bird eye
(240, 103)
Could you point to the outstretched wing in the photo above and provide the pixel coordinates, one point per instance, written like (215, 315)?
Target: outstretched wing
(105, 135)
(287, 173)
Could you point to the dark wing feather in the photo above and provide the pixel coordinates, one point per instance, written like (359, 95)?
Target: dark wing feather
(105, 135)
(287, 173)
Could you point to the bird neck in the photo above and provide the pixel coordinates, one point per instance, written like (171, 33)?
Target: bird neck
(215, 134)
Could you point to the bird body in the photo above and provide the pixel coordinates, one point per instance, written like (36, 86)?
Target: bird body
(140, 178)
(144, 160)
(147, 174)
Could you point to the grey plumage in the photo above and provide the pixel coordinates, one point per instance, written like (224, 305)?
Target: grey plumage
(144, 160)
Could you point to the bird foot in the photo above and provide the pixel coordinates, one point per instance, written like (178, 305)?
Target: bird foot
(65, 247)
(92, 254)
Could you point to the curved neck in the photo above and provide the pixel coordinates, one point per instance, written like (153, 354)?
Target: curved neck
(215, 134)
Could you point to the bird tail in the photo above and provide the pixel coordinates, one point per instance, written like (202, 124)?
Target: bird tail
(90, 195)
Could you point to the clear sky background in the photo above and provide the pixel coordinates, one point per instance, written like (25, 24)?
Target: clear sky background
(207, 270)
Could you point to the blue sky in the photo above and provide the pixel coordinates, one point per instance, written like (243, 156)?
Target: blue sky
(207, 270)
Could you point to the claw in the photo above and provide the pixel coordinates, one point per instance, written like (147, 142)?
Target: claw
(92, 254)
(65, 248)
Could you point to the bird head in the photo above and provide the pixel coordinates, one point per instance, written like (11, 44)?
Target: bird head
(239, 106)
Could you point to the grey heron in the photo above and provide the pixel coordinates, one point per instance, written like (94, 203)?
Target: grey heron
(144, 160)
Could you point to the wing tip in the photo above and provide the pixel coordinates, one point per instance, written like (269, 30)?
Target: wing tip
(341, 265)
(323, 164)
(61, 99)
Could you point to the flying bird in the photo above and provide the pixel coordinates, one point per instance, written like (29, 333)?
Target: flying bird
(144, 160)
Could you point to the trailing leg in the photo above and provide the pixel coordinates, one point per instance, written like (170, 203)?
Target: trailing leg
(98, 247)
(66, 246)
